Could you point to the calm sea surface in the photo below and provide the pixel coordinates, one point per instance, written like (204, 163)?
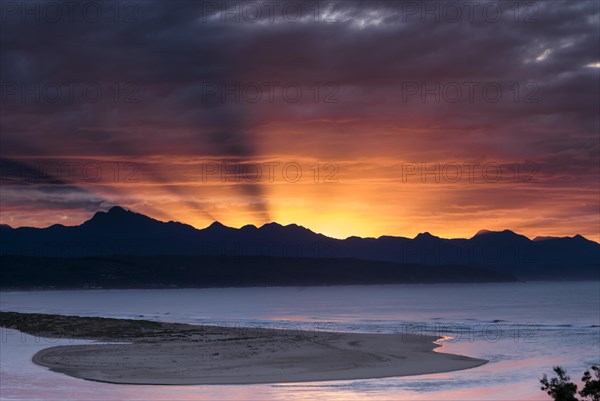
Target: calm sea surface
(523, 329)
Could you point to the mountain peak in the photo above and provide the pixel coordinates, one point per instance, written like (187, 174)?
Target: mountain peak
(271, 225)
(506, 236)
(117, 217)
(216, 225)
(580, 237)
(425, 235)
(505, 232)
(546, 238)
(116, 210)
(576, 237)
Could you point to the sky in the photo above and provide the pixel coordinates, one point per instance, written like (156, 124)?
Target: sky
(362, 118)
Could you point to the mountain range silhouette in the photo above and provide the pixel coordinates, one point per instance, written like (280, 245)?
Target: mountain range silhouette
(125, 233)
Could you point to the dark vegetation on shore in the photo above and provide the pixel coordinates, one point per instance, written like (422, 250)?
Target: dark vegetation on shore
(561, 388)
(117, 272)
(108, 329)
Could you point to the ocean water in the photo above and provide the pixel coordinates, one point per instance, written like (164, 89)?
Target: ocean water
(523, 329)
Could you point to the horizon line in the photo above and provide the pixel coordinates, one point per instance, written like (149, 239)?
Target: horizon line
(425, 233)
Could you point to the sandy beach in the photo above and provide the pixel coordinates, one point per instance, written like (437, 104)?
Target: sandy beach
(172, 353)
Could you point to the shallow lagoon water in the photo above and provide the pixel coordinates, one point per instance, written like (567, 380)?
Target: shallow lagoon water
(523, 329)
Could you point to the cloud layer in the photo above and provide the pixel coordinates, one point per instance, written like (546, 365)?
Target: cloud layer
(169, 88)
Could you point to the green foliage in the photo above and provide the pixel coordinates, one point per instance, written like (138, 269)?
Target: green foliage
(560, 388)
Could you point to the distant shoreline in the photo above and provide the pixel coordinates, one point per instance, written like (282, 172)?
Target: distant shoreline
(11, 290)
(180, 354)
(144, 272)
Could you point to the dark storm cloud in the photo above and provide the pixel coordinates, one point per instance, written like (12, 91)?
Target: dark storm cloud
(43, 187)
(170, 52)
(161, 55)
